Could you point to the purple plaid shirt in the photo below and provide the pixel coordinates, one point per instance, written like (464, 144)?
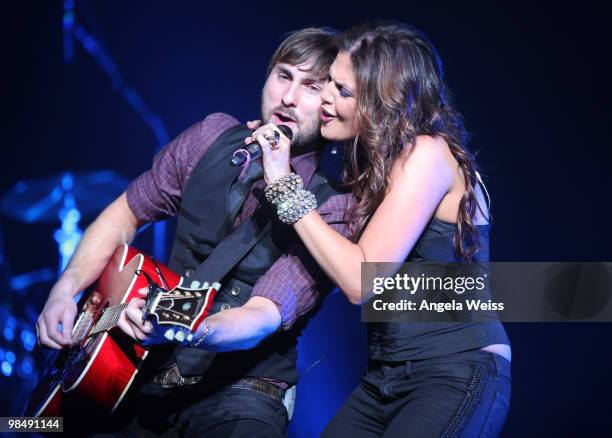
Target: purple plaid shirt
(295, 281)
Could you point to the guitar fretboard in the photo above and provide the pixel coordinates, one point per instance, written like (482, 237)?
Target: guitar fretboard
(109, 319)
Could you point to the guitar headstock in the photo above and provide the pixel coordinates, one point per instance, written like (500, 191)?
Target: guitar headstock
(182, 307)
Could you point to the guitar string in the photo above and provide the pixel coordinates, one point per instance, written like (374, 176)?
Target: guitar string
(108, 320)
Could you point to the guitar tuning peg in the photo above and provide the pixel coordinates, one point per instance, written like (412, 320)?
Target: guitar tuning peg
(195, 284)
(205, 285)
(180, 336)
(169, 334)
(190, 337)
(216, 285)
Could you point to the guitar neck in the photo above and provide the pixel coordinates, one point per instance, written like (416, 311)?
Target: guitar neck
(180, 308)
(108, 320)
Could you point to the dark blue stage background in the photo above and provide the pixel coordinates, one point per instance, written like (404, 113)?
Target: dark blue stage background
(532, 82)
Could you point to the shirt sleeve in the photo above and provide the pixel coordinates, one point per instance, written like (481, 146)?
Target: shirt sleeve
(295, 282)
(156, 194)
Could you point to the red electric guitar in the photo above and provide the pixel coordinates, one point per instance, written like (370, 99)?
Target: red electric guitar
(103, 361)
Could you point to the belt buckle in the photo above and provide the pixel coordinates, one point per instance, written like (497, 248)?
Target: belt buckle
(172, 378)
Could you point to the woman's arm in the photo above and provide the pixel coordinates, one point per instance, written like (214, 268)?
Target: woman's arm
(417, 187)
(418, 184)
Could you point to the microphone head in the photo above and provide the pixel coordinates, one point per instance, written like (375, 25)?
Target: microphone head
(287, 132)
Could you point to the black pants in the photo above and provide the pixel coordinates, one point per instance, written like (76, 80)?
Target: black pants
(464, 394)
(225, 412)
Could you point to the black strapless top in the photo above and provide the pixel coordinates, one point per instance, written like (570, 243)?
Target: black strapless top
(401, 341)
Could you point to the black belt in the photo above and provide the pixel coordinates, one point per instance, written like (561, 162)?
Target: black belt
(259, 385)
(171, 378)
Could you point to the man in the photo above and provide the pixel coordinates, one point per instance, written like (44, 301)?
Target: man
(253, 322)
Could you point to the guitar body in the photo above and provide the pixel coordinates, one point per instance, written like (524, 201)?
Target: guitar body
(103, 361)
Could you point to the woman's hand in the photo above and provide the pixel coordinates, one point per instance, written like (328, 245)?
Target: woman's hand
(276, 149)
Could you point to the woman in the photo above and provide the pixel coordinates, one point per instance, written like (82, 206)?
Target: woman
(418, 198)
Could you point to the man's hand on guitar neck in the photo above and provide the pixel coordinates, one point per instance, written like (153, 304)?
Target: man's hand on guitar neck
(148, 332)
(131, 323)
(238, 328)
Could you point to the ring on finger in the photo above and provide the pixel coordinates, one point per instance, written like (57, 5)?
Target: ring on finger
(274, 139)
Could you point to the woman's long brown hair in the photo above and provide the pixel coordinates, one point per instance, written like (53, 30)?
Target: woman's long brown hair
(401, 94)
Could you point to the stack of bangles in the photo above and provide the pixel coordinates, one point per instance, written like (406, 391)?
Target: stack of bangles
(291, 200)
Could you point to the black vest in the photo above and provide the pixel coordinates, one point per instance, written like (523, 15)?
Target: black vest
(204, 220)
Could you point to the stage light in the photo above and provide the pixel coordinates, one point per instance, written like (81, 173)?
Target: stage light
(7, 369)
(10, 357)
(9, 334)
(11, 322)
(27, 366)
(28, 339)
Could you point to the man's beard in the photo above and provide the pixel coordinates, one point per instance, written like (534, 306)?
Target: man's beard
(306, 136)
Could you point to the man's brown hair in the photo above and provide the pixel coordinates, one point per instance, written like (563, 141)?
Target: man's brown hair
(310, 44)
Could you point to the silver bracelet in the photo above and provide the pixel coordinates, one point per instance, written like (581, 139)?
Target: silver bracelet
(296, 206)
(291, 200)
(207, 331)
(281, 189)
